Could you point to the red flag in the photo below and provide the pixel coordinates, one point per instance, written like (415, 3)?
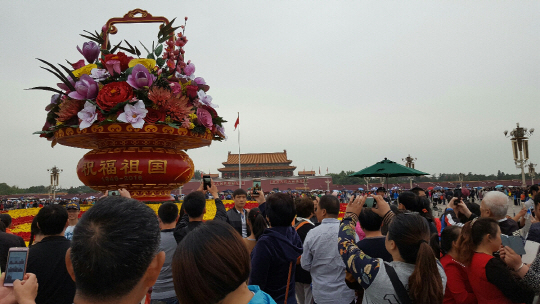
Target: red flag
(237, 122)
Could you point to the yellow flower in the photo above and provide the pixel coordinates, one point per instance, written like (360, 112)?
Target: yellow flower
(59, 123)
(148, 63)
(208, 131)
(191, 126)
(22, 228)
(84, 70)
(192, 116)
(168, 119)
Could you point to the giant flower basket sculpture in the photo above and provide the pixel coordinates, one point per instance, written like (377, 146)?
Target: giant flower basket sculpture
(138, 115)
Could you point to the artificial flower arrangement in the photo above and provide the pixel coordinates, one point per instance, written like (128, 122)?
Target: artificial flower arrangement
(115, 87)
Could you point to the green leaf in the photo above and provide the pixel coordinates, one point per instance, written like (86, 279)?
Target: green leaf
(47, 89)
(116, 47)
(58, 74)
(69, 72)
(160, 62)
(128, 71)
(43, 132)
(151, 56)
(172, 125)
(158, 50)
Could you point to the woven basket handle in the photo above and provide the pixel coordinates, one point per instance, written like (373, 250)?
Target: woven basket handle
(130, 17)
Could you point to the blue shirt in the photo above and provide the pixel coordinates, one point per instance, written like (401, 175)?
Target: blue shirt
(259, 296)
(322, 259)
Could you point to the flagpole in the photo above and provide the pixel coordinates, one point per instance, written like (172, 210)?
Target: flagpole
(239, 162)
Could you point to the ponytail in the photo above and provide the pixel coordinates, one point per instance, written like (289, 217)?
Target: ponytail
(472, 235)
(411, 234)
(258, 222)
(425, 283)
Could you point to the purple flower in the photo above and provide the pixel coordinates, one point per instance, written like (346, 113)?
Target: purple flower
(85, 88)
(189, 69)
(90, 51)
(99, 74)
(221, 130)
(199, 80)
(140, 77)
(87, 115)
(134, 114)
(206, 99)
(204, 117)
(63, 86)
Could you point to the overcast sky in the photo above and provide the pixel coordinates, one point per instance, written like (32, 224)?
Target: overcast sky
(338, 84)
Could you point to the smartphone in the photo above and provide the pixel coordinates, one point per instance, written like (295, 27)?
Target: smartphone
(113, 192)
(16, 265)
(256, 186)
(370, 203)
(207, 182)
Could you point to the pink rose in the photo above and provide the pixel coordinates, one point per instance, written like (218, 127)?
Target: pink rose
(204, 117)
(175, 87)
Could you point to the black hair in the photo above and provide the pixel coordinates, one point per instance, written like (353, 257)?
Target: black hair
(413, 202)
(2, 227)
(239, 192)
(381, 189)
(536, 199)
(411, 234)
(416, 190)
(113, 244)
(473, 207)
(449, 235)
(369, 220)
(6, 219)
(211, 262)
(168, 212)
(257, 221)
(34, 230)
(330, 203)
(194, 204)
(52, 219)
(280, 209)
(534, 188)
(304, 207)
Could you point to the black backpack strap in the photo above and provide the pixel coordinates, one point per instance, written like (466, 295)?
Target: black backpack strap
(401, 292)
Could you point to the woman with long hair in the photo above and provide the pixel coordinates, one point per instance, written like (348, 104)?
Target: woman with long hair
(414, 268)
(458, 288)
(490, 279)
(257, 224)
(212, 266)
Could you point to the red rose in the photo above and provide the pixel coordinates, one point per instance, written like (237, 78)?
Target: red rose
(124, 60)
(191, 91)
(114, 93)
(154, 116)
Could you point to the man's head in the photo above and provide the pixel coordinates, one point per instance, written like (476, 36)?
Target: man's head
(114, 251)
(418, 191)
(494, 204)
(280, 210)
(168, 213)
(369, 220)
(328, 208)
(381, 191)
(6, 219)
(239, 197)
(195, 204)
(304, 207)
(73, 210)
(52, 220)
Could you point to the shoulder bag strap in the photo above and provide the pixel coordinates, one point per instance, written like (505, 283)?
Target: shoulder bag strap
(298, 225)
(288, 282)
(401, 292)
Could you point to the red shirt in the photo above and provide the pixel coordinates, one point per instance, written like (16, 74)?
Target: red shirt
(485, 291)
(458, 289)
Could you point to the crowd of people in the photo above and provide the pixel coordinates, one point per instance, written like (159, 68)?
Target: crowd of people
(290, 249)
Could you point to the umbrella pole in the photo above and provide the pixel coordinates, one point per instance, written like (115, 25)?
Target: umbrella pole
(387, 183)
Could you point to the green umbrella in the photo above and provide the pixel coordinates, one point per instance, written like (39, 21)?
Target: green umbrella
(388, 168)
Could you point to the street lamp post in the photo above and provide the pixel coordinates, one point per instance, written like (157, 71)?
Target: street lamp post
(55, 175)
(532, 172)
(367, 183)
(327, 184)
(305, 183)
(520, 147)
(460, 178)
(409, 162)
